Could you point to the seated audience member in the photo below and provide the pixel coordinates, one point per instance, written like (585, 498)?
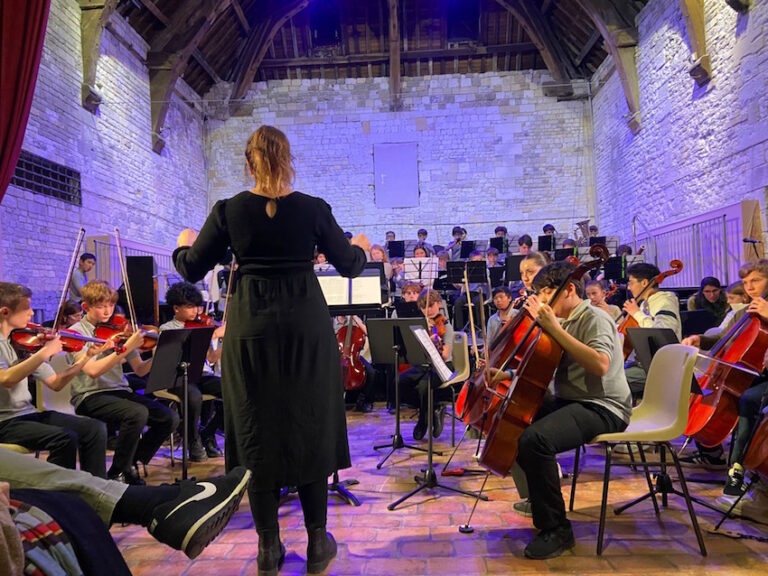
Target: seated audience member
(710, 297)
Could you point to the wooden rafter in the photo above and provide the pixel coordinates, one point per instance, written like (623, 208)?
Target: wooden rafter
(257, 44)
(530, 17)
(620, 42)
(170, 53)
(693, 13)
(241, 19)
(93, 17)
(394, 56)
(587, 48)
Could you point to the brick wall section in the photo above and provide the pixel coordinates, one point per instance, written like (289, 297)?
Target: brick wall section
(492, 149)
(698, 148)
(124, 183)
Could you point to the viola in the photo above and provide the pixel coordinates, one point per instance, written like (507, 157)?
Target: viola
(676, 266)
(535, 356)
(438, 331)
(202, 321)
(119, 329)
(33, 337)
(711, 417)
(351, 340)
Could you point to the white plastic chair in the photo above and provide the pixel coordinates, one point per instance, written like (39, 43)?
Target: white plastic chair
(460, 354)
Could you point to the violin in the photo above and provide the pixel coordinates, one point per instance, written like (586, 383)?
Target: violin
(33, 337)
(119, 329)
(202, 321)
(676, 266)
(438, 331)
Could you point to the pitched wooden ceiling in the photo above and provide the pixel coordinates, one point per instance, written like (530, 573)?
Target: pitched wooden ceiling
(349, 38)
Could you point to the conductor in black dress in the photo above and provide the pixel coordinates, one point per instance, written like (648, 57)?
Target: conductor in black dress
(281, 377)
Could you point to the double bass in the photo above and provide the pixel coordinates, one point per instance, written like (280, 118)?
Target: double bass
(712, 416)
(351, 340)
(536, 356)
(676, 266)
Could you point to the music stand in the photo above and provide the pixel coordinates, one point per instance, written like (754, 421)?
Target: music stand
(615, 269)
(598, 240)
(546, 243)
(435, 363)
(563, 253)
(396, 249)
(180, 353)
(500, 243)
(387, 338)
(512, 264)
(408, 309)
(496, 275)
(421, 270)
(467, 247)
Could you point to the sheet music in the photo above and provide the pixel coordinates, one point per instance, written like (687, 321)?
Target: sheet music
(335, 289)
(366, 290)
(436, 360)
(420, 269)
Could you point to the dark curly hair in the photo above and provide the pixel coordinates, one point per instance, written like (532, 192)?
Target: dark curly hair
(183, 294)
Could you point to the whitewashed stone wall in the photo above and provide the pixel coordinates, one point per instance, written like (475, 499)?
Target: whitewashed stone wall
(124, 183)
(699, 148)
(492, 149)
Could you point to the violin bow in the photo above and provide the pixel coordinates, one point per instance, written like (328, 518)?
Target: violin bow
(486, 344)
(124, 273)
(68, 281)
(471, 316)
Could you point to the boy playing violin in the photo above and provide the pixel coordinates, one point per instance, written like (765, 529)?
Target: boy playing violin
(101, 391)
(591, 397)
(187, 303)
(62, 435)
(414, 381)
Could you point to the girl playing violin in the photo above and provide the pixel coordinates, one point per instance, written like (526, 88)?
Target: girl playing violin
(187, 303)
(63, 435)
(101, 391)
(414, 381)
(596, 294)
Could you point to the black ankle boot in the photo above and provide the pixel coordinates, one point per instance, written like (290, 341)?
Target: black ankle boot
(321, 549)
(271, 553)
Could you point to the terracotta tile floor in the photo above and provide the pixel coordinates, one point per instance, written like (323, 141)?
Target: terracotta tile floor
(422, 537)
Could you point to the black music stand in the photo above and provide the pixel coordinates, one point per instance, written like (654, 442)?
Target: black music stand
(396, 249)
(501, 243)
(181, 354)
(616, 269)
(546, 243)
(563, 253)
(467, 247)
(597, 240)
(512, 265)
(436, 363)
(496, 275)
(386, 337)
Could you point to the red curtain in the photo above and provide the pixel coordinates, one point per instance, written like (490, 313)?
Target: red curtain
(22, 30)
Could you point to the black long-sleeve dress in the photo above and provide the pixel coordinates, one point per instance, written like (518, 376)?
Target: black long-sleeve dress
(281, 377)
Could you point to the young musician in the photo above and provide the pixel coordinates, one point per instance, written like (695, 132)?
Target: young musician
(389, 236)
(458, 306)
(593, 231)
(659, 309)
(421, 251)
(398, 276)
(525, 244)
(366, 395)
(500, 231)
(530, 266)
(101, 391)
(596, 294)
(454, 247)
(492, 257)
(80, 276)
(284, 408)
(549, 230)
(187, 302)
(422, 236)
(502, 299)
(414, 381)
(62, 435)
(754, 275)
(737, 299)
(591, 397)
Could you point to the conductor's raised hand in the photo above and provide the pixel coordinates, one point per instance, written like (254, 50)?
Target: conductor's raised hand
(187, 237)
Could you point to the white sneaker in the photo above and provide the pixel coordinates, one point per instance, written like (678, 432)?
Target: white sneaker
(754, 504)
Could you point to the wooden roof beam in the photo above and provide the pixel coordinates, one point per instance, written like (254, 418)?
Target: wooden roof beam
(241, 19)
(587, 48)
(537, 28)
(620, 43)
(394, 57)
(693, 13)
(93, 17)
(170, 53)
(257, 44)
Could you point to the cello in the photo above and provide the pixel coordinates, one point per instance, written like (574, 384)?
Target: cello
(712, 416)
(676, 266)
(536, 357)
(351, 339)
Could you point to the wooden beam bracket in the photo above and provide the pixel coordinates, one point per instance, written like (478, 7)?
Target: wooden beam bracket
(701, 67)
(93, 19)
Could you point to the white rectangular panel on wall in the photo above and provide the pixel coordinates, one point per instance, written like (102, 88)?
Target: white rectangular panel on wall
(396, 175)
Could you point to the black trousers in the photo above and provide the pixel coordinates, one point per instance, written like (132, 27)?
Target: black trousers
(131, 412)
(413, 388)
(560, 425)
(749, 412)
(460, 316)
(208, 384)
(314, 503)
(62, 435)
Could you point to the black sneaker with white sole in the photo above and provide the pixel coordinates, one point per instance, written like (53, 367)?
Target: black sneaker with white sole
(734, 486)
(200, 512)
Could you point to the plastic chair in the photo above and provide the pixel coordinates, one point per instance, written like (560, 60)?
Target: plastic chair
(460, 374)
(660, 417)
(176, 401)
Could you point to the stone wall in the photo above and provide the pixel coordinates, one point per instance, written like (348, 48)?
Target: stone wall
(124, 183)
(698, 148)
(492, 149)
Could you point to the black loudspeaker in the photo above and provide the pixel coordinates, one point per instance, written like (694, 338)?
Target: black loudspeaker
(141, 270)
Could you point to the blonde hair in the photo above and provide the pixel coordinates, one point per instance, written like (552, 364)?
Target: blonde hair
(381, 248)
(268, 154)
(97, 292)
